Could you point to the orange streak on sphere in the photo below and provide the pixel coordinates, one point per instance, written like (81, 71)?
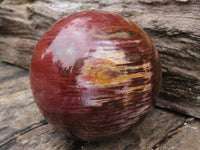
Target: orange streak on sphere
(94, 75)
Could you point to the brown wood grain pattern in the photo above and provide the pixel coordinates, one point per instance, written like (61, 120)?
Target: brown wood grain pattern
(190, 130)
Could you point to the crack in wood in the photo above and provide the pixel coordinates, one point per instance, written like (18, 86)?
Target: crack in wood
(78, 145)
(37, 136)
(14, 76)
(21, 132)
(171, 134)
(129, 145)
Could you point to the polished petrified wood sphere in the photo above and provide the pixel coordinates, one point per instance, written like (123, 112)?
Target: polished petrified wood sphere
(94, 75)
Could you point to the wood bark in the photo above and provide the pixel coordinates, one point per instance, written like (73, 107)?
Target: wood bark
(172, 25)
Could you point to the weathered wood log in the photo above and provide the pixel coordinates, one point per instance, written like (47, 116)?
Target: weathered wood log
(172, 25)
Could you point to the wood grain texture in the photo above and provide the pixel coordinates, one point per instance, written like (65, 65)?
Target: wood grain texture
(18, 110)
(180, 141)
(172, 25)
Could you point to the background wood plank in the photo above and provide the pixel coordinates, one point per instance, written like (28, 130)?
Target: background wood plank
(17, 108)
(145, 136)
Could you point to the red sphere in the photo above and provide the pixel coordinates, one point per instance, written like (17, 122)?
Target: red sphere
(94, 75)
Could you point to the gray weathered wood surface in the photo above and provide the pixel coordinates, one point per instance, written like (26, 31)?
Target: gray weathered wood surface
(22, 127)
(172, 25)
